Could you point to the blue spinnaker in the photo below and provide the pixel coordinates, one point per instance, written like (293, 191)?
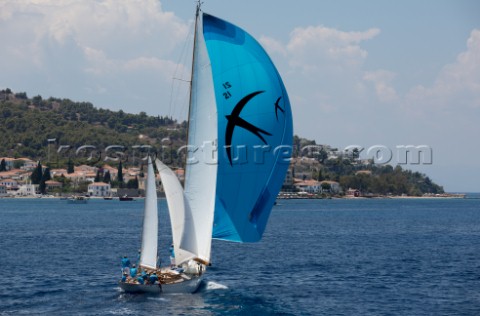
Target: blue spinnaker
(254, 131)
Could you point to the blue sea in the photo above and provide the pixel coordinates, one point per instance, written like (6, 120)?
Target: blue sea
(317, 257)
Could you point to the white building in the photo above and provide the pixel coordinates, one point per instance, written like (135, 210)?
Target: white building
(27, 190)
(9, 183)
(99, 189)
(309, 186)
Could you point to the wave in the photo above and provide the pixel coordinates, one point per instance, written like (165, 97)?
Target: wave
(161, 299)
(211, 285)
(121, 311)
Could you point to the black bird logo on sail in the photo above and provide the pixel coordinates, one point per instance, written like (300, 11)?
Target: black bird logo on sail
(234, 119)
(277, 107)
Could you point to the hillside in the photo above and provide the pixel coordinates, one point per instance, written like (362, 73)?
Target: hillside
(350, 171)
(27, 125)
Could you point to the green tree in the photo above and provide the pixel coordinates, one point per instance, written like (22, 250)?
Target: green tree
(320, 175)
(355, 153)
(37, 100)
(132, 183)
(45, 177)
(70, 167)
(21, 95)
(322, 155)
(120, 175)
(3, 165)
(106, 177)
(66, 183)
(17, 164)
(82, 187)
(98, 176)
(37, 173)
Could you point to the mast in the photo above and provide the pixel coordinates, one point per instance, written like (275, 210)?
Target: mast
(197, 13)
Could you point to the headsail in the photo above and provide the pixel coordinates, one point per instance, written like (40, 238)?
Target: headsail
(201, 169)
(148, 257)
(184, 232)
(254, 130)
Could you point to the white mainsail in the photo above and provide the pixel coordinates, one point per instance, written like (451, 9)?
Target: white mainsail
(148, 257)
(201, 168)
(179, 212)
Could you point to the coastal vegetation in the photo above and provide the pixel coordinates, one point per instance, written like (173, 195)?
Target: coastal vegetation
(27, 125)
(324, 163)
(62, 133)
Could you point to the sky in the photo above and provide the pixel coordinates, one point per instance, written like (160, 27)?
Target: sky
(373, 74)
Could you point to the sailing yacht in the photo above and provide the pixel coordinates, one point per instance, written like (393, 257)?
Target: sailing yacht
(186, 277)
(239, 147)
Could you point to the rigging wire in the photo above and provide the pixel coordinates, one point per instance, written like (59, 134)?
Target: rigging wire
(178, 81)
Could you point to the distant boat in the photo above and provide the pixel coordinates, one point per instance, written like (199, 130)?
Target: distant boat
(78, 199)
(108, 198)
(126, 198)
